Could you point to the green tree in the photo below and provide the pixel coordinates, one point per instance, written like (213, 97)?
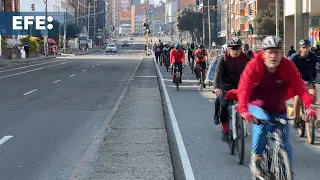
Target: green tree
(265, 22)
(190, 21)
(72, 31)
(34, 46)
(54, 32)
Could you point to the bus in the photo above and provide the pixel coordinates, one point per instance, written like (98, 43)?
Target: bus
(125, 29)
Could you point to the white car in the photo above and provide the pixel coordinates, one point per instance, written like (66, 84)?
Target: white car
(111, 48)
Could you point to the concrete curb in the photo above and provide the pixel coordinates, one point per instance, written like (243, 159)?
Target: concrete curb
(174, 151)
(86, 53)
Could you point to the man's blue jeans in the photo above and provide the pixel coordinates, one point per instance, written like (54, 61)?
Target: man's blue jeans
(259, 132)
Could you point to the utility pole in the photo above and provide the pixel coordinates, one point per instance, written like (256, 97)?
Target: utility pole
(227, 20)
(89, 20)
(65, 32)
(94, 28)
(46, 35)
(277, 18)
(209, 23)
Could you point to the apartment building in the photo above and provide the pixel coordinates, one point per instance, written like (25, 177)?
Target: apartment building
(301, 21)
(81, 9)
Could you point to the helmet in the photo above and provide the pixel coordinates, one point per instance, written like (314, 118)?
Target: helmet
(176, 45)
(192, 45)
(224, 48)
(272, 42)
(245, 46)
(234, 41)
(161, 44)
(201, 46)
(304, 42)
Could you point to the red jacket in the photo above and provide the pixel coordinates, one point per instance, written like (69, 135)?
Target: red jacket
(177, 56)
(253, 74)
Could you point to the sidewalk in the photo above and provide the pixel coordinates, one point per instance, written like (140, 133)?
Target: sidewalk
(7, 62)
(137, 146)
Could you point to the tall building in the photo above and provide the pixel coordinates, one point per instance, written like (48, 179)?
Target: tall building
(97, 22)
(138, 16)
(301, 21)
(81, 9)
(10, 6)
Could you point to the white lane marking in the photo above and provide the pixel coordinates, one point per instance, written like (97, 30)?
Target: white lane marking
(32, 70)
(84, 70)
(146, 76)
(4, 139)
(28, 66)
(98, 64)
(72, 75)
(56, 81)
(30, 92)
(84, 166)
(92, 66)
(188, 172)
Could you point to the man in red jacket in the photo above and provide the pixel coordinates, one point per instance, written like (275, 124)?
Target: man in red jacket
(265, 84)
(177, 58)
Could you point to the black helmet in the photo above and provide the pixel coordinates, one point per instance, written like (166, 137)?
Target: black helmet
(274, 42)
(192, 45)
(245, 47)
(200, 46)
(234, 41)
(304, 42)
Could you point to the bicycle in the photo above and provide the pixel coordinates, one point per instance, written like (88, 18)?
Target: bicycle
(199, 76)
(177, 76)
(275, 163)
(166, 62)
(304, 127)
(237, 132)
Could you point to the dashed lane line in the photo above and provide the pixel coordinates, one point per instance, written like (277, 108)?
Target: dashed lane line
(56, 81)
(72, 75)
(27, 93)
(4, 139)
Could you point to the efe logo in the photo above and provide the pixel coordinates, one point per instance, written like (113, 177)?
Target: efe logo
(40, 22)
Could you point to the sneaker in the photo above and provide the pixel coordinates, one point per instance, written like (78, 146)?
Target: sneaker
(216, 119)
(255, 167)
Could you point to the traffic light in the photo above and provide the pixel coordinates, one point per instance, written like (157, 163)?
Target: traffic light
(197, 3)
(239, 33)
(33, 7)
(250, 31)
(250, 12)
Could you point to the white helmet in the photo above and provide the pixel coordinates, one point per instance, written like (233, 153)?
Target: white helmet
(224, 48)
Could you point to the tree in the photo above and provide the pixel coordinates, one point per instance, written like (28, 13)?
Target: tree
(34, 46)
(72, 31)
(265, 22)
(190, 21)
(54, 33)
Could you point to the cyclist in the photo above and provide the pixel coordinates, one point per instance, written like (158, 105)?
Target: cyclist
(227, 75)
(266, 83)
(200, 59)
(306, 63)
(161, 46)
(166, 51)
(248, 52)
(177, 58)
(157, 52)
(190, 53)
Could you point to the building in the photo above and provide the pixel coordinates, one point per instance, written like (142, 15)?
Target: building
(138, 12)
(97, 22)
(81, 9)
(10, 6)
(135, 2)
(301, 21)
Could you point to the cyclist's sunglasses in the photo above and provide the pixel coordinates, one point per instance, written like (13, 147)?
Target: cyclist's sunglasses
(235, 48)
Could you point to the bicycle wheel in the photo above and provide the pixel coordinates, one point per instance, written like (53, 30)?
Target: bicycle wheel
(301, 125)
(192, 66)
(231, 142)
(283, 163)
(310, 131)
(177, 81)
(201, 80)
(239, 144)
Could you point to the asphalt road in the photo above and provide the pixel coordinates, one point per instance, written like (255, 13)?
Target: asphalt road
(51, 110)
(207, 153)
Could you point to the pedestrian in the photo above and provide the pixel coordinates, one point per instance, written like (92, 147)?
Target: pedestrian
(26, 48)
(291, 51)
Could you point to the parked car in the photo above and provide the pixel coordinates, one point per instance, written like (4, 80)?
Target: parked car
(111, 48)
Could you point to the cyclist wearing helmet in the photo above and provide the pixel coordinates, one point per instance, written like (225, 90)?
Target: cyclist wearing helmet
(248, 52)
(200, 59)
(177, 59)
(190, 53)
(267, 82)
(213, 64)
(229, 68)
(306, 63)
